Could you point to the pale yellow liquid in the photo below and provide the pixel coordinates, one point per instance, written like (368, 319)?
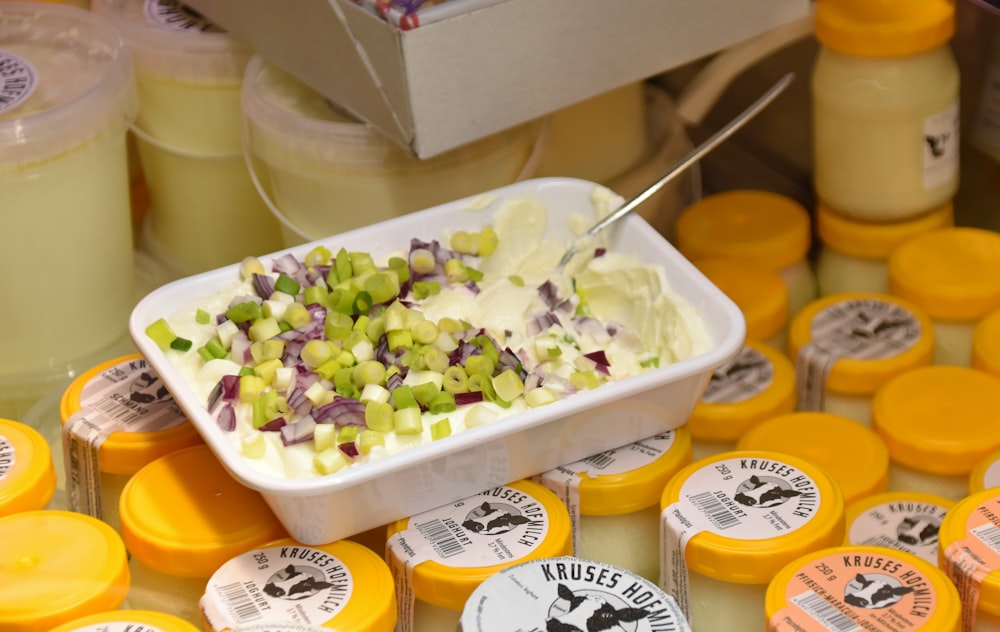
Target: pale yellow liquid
(159, 592)
(837, 273)
(717, 605)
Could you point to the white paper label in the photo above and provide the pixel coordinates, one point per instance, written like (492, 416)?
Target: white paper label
(941, 139)
(172, 15)
(297, 584)
(904, 525)
(499, 526)
(746, 375)
(119, 626)
(740, 498)
(7, 457)
(18, 79)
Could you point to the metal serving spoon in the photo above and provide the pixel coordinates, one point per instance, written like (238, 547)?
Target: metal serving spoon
(692, 157)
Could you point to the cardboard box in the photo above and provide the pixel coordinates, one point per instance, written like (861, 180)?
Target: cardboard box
(501, 63)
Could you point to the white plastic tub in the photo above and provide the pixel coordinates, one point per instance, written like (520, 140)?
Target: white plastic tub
(324, 509)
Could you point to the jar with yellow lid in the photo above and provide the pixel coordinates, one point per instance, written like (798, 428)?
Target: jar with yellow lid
(116, 418)
(852, 454)
(986, 474)
(854, 254)
(970, 555)
(857, 587)
(569, 593)
(56, 566)
(761, 295)
(341, 585)
(986, 344)
(613, 499)
(27, 474)
(756, 384)
(953, 275)
(758, 227)
(731, 521)
(938, 423)
(182, 517)
(128, 621)
(440, 556)
(846, 345)
(885, 147)
(908, 521)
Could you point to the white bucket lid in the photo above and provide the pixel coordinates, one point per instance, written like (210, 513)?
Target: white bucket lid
(75, 80)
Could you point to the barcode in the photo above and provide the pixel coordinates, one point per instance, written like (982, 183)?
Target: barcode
(714, 510)
(118, 412)
(240, 604)
(887, 542)
(990, 535)
(443, 541)
(600, 461)
(824, 613)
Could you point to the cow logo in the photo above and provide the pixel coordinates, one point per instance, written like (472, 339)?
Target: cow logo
(494, 519)
(295, 583)
(918, 530)
(146, 388)
(739, 379)
(764, 491)
(590, 611)
(874, 591)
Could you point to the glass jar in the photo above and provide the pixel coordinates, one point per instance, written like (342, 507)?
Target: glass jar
(767, 229)
(885, 147)
(128, 621)
(569, 593)
(756, 384)
(56, 566)
(731, 521)
(117, 417)
(908, 521)
(440, 556)
(952, 274)
(27, 475)
(852, 454)
(969, 556)
(341, 585)
(613, 499)
(846, 345)
(182, 517)
(938, 422)
(854, 254)
(986, 344)
(761, 295)
(986, 474)
(862, 588)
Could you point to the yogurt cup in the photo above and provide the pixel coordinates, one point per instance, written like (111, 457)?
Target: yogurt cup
(128, 621)
(64, 190)
(27, 474)
(986, 474)
(986, 344)
(907, 521)
(970, 556)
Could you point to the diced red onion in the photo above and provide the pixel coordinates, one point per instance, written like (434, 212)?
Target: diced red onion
(343, 411)
(230, 387)
(227, 418)
(263, 284)
(549, 293)
(350, 449)
(541, 322)
(470, 397)
(298, 432)
(600, 359)
(274, 425)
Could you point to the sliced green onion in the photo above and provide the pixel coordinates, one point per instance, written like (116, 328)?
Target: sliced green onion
(287, 284)
(408, 421)
(181, 344)
(442, 402)
(161, 333)
(440, 429)
(379, 416)
(402, 397)
(243, 312)
(202, 317)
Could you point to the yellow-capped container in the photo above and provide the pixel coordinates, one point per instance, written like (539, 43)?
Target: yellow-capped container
(759, 227)
(938, 423)
(862, 588)
(952, 274)
(614, 499)
(436, 570)
(123, 411)
(969, 555)
(761, 295)
(128, 621)
(27, 474)
(342, 585)
(853, 454)
(986, 474)
(986, 344)
(756, 384)
(56, 566)
(735, 519)
(854, 256)
(908, 521)
(845, 346)
(182, 517)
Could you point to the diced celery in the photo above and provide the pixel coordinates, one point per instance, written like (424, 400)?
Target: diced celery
(508, 385)
(329, 461)
(399, 338)
(266, 370)
(251, 387)
(202, 317)
(264, 329)
(243, 312)
(161, 333)
(346, 434)
(539, 396)
(368, 439)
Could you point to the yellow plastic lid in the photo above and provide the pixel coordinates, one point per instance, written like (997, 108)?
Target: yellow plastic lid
(939, 419)
(884, 28)
(811, 505)
(341, 585)
(130, 379)
(448, 583)
(27, 473)
(760, 293)
(904, 520)
(757, 384)
(875, 240)
(824, 439)
(849, 579)
(120, 620)
(56, 566)
(986, 474)
(873, 337)
(759, 227)
(950, 273)
(977, 511)
(986, 344)
(184, 515)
